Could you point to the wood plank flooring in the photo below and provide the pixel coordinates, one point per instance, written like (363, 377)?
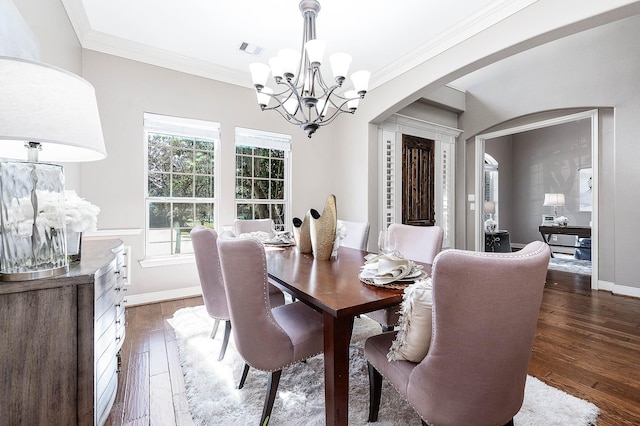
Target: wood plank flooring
(587, 344)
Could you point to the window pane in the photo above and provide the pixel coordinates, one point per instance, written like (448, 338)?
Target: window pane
(204, 187)
(158, 185)
(179, 142)
(244, 166)
(277, 153)
(261, 152)
(183, 161)
(243, 188)
(261, 211)
(277, 169)
(205, 145)
(159, 215)
(277, 214)
(261, 167)
(182, 186)
(204, 214)
(260, 189)
(244, 150)
(277, 190)
(204, 162)
(159, 158)
(159, 140)
(183, 215)
(244, 211)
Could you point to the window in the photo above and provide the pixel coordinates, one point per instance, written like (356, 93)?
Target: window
(262, 176)
(180, 180)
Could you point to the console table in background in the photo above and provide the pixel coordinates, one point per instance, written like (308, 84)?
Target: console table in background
(60, 339)
(579, 231)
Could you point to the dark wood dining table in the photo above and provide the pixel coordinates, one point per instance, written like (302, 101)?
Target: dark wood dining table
(331, 287)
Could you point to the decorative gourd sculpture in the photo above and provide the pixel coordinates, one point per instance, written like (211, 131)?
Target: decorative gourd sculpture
(323, 230)
(302, 231)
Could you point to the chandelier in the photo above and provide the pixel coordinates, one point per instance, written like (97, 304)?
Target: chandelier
(303, 97)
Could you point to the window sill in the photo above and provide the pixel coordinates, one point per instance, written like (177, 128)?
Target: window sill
(153, 262)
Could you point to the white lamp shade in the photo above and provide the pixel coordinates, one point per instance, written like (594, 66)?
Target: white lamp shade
(354, 99)
(315, 50)
(553, 200)
(489, 207)
(360, 80)
(291, 106)
(53, 107)
(276, 67)
(289, 59)
(264, 96)
(259, 73)
(340, 63)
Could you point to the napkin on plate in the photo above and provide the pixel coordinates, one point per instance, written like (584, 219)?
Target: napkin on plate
(386, 268)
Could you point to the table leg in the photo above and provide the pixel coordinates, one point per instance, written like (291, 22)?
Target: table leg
(337, 332)
(546, 240)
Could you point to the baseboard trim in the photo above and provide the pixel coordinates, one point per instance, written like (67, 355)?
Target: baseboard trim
(163, 296)
(621, 290)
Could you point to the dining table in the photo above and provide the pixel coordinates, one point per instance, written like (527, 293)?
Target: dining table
(333, 288)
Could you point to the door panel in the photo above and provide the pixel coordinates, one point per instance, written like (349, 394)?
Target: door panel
(418, 202)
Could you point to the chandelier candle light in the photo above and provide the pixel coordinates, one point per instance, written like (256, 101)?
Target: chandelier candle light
(306, 100)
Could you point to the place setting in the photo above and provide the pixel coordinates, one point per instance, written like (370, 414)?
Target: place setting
(388, 268)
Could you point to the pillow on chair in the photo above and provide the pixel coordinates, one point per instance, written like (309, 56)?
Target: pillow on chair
(414, 335)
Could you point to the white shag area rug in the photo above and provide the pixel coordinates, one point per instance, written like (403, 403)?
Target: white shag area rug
(214, 399)
(571, 265)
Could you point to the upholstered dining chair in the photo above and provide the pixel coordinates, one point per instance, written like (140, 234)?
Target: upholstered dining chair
(268, 339)
(484, 316)
(357, 234)
(205, 248)
(418, 243)
(243, 226)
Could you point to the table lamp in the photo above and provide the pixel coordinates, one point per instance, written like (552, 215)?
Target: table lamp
(48, 114)
(554, 200)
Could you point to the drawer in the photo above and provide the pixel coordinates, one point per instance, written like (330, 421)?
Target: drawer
(106, 387)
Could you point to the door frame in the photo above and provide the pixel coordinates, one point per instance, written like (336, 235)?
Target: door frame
(479, 175)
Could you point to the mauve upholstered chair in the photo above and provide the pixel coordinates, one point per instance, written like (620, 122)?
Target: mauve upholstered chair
(419, 243)
(267, 339)
(357, 234)
(243, 226)
(485, 312)
(205, 248)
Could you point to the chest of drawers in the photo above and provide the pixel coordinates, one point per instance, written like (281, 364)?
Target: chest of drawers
(60, 339)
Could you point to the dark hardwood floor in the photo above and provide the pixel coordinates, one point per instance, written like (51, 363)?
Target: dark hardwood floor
(587, 344)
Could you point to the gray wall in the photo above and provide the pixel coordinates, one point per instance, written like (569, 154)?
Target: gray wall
(608, 77)
(536, 162)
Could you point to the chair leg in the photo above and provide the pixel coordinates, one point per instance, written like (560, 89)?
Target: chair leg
(216, 323)
(272, 388)
(386, 328)
(509, 423)
(245, 371)
(225, 339)
(375, 389)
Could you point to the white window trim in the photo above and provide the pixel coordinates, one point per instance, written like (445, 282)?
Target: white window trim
(157, 123)
(268, 140)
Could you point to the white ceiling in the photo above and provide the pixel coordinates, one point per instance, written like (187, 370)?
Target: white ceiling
(203, 37)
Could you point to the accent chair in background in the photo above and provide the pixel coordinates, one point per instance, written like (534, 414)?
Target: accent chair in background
(418, 243)
(357, 234)
(205, 248)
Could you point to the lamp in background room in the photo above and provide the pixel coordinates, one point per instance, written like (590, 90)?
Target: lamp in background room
(306, 99)
(490, 225)
(555, 200)
(46, 114)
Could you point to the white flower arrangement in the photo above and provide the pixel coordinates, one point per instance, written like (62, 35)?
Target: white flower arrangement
(79, 214)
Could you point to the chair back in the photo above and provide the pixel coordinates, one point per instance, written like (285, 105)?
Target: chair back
(485, 312)
(205, 248)
(419, 243)
(244, 226)
(259, 339)
(357, 234)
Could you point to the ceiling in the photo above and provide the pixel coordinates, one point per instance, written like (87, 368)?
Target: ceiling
(203, 37)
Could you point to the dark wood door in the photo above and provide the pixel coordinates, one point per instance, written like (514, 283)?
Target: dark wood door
(418, 204)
